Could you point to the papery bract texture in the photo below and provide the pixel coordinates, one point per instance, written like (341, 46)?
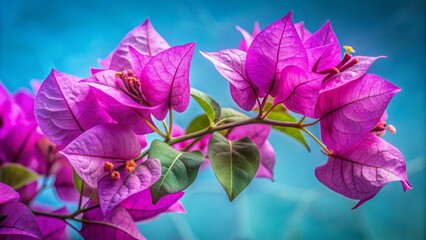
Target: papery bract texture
(144, 38)
(299, 90)
(119, 106)
(360, 171)
(349, 112)
(351, 73)
(65, 108)
(274, 48)
(231, 63)
(325, 41)
(112, 192)
(104, 143)
(165, 79)
(302, 31)
(18, 222)
(116, 225)
(140, 205)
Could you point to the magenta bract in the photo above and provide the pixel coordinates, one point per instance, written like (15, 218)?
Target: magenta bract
(360, 171)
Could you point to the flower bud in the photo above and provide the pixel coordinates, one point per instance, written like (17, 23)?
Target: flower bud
(115, 175)
(108, 166)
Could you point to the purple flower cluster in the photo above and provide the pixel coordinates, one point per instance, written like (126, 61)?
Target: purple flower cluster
(96, 126)
(305, 72)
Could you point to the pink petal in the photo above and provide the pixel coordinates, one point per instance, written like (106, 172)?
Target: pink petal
(144, 38)
(138, 60)
(350, 74)
(25, 100)
(299, 90)
(247, 39)
(119, 225)
(330, 56)
(141, 208)
(111, 192)
(258, 133)
(350, 112)
(165, 79)
(19, 223)
(231, 63)
(360, 171)
(7, 194)
(104, 143)
(65, 108)
(274, 48)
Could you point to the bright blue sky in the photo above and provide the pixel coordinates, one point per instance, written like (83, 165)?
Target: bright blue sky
(71, 35)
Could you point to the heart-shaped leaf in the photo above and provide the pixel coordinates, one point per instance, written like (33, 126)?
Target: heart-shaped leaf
(65, 108)
(274, 48)
(112, 192)
(16, 175)
(349, 112)
(116, 225)
(235, 163)
(209, 105)
(360, 171)
(18, 222)
(165, 80)
(103, 143)
(198, 123)
(179, 170)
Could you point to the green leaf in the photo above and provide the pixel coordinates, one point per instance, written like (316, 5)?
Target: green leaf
(199, 123)
(280, 113)
(234, 163)
(209, 105)
(178, 170)
(16, 175)
(77, 180)
(230, 115)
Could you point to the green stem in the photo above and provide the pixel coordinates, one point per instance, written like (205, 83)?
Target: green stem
(169, 134)
(317, 140)
(165, 127)
(80, 199)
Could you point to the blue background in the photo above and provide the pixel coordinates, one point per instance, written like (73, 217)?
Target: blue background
(71, 35)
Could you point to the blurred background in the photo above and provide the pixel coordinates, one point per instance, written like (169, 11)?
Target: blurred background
(70, 36)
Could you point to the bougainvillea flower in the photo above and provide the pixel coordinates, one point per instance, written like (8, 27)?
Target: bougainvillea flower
(144, 38)
(16, 219)
(274, 48)
(165, 80)
(323, 49)
(112, 191)
(359, 172)
(356, 107)
(120, 94)
(258, 133)
(247, 37)
(104, 157)
(116, 225)
(231, 63)
(52, 228)
(65, 108)
(89, 153)
(140, 205)
(28, 192)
